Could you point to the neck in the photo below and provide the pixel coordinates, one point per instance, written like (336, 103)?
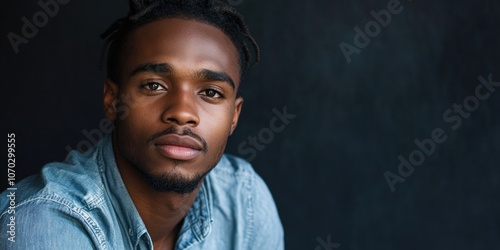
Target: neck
(161, 212)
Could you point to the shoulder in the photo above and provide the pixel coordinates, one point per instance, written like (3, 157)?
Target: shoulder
(77, 179)
(232, 166)
(46, 221)
(238, 190)
(235, 176)
(232, 171)
(54, 205)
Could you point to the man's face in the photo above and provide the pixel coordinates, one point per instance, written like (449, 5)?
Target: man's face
(176, 104)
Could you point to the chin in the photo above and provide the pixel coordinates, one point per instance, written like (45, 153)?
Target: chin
(174, 183)
(175, 178)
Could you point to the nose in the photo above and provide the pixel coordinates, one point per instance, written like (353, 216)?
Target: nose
(181, 108)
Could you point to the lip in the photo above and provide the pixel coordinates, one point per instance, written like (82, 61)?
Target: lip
(178, 147)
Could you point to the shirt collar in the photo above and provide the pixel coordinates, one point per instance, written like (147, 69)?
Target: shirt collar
(120, 199)
(198, 221)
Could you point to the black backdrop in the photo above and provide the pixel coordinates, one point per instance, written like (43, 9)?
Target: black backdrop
(353, 119)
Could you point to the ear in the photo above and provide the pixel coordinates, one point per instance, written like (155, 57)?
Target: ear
(238, 103)
(110, 99)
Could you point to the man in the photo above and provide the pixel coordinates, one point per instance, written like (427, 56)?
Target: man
(160, 181)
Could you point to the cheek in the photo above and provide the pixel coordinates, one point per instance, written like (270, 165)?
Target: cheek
(136, 119)
(215, 127)
(133, 132)
(218, 120)
(138, 108)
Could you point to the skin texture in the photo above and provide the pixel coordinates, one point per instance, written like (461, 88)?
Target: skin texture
(166, 90)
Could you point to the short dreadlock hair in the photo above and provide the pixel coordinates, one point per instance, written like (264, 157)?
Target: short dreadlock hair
(214, 12)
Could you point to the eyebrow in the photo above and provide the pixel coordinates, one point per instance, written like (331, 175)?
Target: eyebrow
(211, 75)
(166, 69)
(162, 68)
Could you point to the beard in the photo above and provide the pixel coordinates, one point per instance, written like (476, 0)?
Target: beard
(176, 183)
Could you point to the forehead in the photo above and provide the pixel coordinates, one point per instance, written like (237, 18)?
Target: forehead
(188, 45)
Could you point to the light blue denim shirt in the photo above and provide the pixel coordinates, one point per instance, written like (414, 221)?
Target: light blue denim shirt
(82, 203)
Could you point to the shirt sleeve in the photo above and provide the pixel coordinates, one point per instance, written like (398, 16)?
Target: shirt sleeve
(42, 224)
(268, 230)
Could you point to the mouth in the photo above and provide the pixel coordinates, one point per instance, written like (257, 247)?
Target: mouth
(178, 147)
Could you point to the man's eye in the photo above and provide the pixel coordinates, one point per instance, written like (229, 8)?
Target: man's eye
(152, 86)
(212, 93)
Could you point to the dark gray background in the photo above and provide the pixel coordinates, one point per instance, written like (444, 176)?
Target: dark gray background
(326, 167)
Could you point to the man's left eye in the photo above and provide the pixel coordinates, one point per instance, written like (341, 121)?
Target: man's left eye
(153, 86)
(212, 93)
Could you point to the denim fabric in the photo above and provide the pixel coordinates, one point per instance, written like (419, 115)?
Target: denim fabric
(82, 203)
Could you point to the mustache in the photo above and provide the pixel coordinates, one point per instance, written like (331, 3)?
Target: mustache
(183, 132)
